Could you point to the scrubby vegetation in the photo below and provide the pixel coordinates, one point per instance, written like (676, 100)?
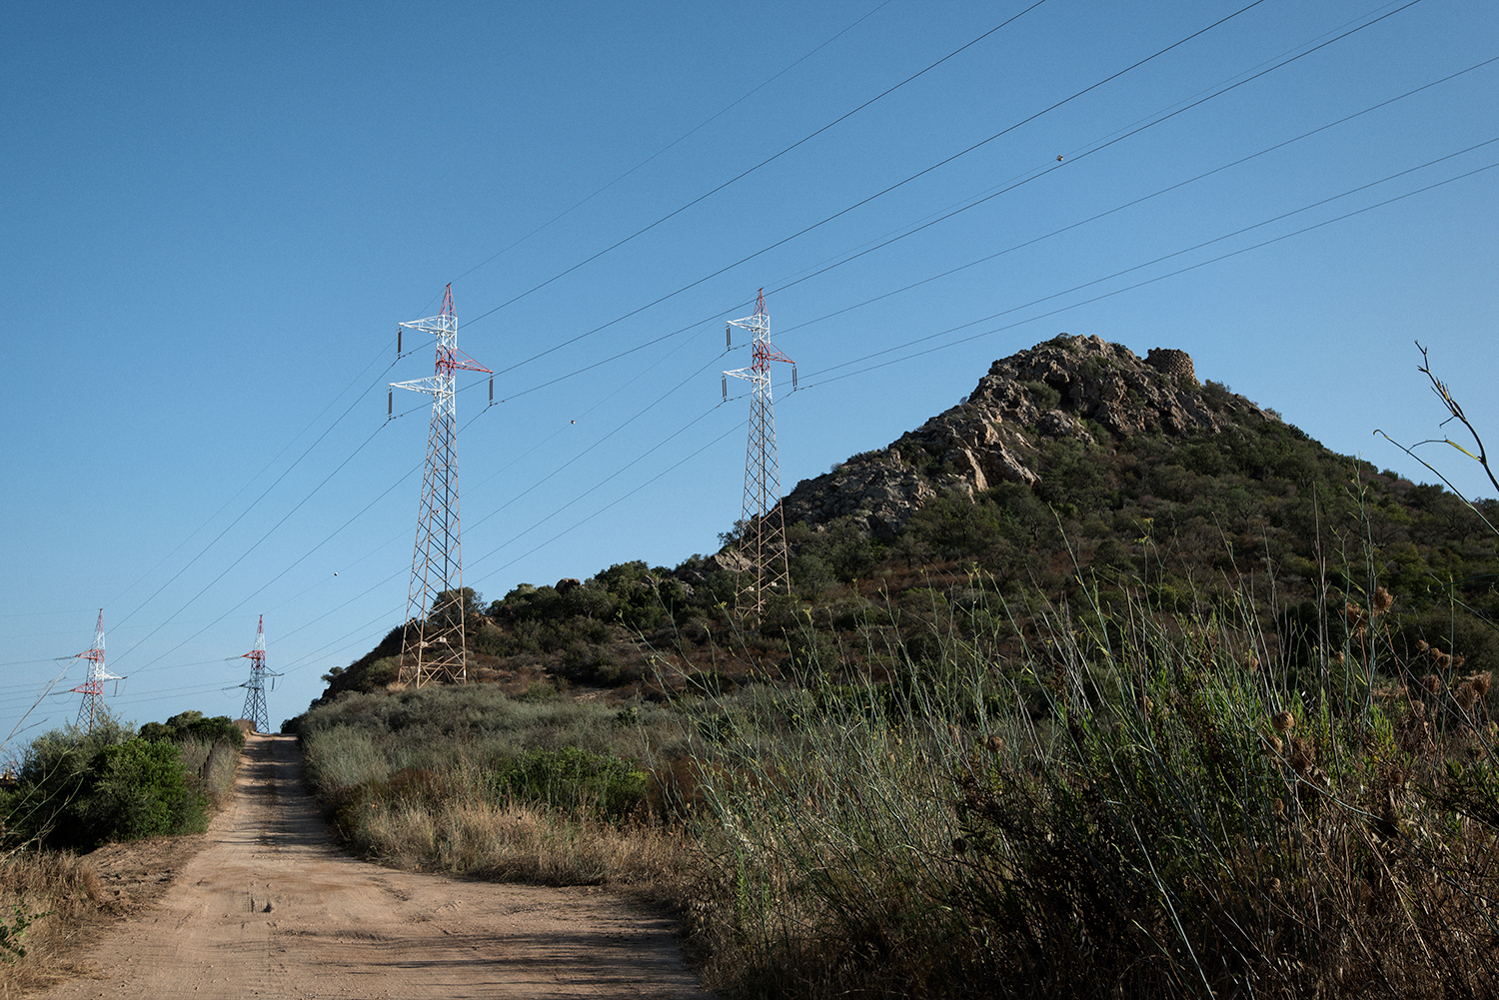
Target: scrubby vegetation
(1194, 715)
(77, 789)
(470, 780)
(1140, 803)
(1257, 512)
(1141, 809)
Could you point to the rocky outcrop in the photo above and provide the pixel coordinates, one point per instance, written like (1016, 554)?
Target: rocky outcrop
(878, 490)
(1080, 388)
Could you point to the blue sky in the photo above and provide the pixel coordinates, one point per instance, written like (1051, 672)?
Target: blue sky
(215, 215)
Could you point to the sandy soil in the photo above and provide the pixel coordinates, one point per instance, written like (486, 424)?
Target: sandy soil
(264, 905)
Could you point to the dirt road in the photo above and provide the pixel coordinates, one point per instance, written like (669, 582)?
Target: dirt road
(270, 908)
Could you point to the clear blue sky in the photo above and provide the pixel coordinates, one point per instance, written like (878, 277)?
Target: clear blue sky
(214, 216)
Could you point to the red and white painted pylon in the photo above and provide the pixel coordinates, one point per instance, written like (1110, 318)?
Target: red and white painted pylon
(762, 539)
(90, 710)
(255, 708)
(433, 647)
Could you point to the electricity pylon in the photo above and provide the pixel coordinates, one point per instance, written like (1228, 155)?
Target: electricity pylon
(433, 647)
(255, 709)
(762, 538)
(92, 687)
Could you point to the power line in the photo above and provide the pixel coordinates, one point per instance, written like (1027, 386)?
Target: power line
(241, 516)
(203, 590)
(598, 442)
(912, 177)
(737, 177)
(1079, 156)
(240, 491)
(623, 497)
(943, 217)
(1126, 205)
(1149, 281)
(678, 140)
(601, 483)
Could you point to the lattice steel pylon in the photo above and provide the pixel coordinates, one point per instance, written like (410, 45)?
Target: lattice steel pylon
(92, 687)
(762, 538)
(255, 709)
(433, 646)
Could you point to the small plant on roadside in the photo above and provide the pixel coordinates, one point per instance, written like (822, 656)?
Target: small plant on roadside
(13, 930)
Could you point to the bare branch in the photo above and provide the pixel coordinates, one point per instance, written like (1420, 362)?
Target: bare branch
(1456, 413)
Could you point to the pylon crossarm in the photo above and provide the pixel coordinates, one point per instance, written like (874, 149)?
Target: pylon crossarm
(433, 324)
(769, 352)
(429, 384)
(754, 324)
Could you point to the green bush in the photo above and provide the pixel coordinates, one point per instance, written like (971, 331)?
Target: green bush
(954, 525)
(490, 640)
(139, 791)
(590, 602)
(573, 778)
(194, 725)
(81, 789)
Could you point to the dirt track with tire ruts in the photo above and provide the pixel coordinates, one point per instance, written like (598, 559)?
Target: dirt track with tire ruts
(270, 907)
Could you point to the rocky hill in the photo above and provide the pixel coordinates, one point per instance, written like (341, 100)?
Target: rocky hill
(1075, 388)
(1075, 474)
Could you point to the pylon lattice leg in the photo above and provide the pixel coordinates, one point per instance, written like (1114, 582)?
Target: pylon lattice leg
(433, 648)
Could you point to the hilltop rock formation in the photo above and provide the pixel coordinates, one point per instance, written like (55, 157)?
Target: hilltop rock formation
(1082, 388)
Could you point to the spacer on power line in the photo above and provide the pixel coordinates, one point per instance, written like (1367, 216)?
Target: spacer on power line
(433, 645)
(762, 536)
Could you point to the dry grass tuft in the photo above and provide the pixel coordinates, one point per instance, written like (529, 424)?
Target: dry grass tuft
(64, 893)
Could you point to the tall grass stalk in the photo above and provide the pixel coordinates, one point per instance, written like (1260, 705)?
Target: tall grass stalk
(211, 765)
(1138, 805)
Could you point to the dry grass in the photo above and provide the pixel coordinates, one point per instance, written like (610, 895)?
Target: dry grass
(66, 889)
(1137, 807)
(519, 841)
(211, 765)
(412, 780)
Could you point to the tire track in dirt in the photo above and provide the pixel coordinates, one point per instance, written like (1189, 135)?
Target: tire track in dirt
(271, 908)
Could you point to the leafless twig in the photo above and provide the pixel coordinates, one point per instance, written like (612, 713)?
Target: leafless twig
(1455, 409)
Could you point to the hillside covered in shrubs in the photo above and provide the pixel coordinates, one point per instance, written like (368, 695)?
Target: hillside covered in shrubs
(1075, 472)
(1105, 682)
